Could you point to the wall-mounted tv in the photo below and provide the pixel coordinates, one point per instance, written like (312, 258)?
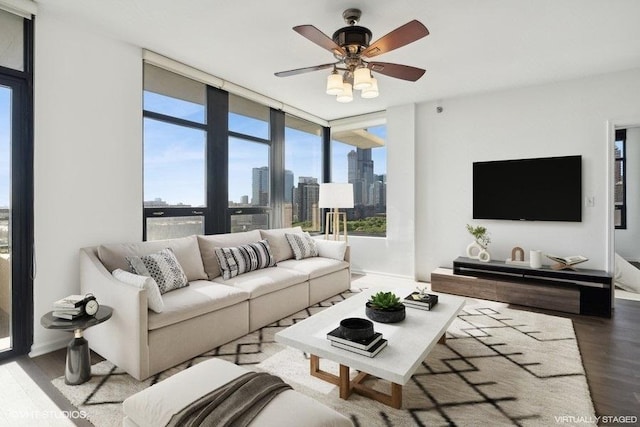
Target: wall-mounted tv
(540, 189)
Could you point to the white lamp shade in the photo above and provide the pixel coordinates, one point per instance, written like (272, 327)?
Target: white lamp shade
(371, 91)
(336, 195)
(334, 84)
(347, 93)
(361, 78)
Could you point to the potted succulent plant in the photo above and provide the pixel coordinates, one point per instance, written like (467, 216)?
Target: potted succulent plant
(385, 307)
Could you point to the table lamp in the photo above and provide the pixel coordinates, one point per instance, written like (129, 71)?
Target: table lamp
(335, 196)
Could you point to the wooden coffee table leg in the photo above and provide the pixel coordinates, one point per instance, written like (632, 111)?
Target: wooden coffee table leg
(347, 386)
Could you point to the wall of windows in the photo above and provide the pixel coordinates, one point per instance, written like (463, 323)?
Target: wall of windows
(359, 156)
(216, 162)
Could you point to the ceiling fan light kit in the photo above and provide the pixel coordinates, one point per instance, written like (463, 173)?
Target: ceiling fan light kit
(347, 93)
(334, 84)
(350, 46)
(371, 91)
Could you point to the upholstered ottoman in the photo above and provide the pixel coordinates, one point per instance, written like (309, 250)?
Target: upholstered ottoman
(155, 405)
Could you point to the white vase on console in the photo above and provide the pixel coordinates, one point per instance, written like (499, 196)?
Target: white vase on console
(476, 251)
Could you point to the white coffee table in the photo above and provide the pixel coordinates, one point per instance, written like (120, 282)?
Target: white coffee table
(409, 343)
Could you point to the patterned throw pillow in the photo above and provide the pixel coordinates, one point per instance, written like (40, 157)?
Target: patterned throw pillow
(303, 245)
(163, 266)
(242, 259)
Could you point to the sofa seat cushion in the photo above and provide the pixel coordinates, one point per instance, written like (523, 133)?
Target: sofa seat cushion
(314, 266)
(186, 250)
(209, 243)
(200, 297)
(265, 281)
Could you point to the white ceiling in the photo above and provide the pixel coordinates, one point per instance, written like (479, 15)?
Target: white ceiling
(474, 45)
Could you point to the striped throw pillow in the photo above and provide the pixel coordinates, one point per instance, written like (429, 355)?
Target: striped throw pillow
(242, 259)
(303, 245)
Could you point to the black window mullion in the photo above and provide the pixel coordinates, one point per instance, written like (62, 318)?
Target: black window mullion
(276, 171)
(217, 162)
(251, 138)
(173, 120)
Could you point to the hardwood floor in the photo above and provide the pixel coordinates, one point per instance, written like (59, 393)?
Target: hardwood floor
(610, 351)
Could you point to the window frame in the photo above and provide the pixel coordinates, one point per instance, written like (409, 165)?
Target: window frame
(22, 198)
(621, 135)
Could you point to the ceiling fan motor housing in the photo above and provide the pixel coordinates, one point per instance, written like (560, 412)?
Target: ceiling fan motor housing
(353, 39)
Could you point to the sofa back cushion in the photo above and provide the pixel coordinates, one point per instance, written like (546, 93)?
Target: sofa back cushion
(209, 243)
(186, 250)
(279, 245)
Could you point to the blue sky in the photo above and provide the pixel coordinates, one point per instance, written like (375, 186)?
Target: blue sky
(174, 165)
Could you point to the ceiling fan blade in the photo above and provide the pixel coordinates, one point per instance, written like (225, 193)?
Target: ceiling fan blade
(404, 72)
(319, 38)
(399, 37)
(304, 70)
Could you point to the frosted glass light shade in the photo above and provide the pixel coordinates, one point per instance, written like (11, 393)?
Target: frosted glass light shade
(336, 195)
(347, 93)
(361, 79)
(334, 84)
(371, 91)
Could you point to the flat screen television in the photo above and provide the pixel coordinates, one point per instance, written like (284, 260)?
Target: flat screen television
(540, 189)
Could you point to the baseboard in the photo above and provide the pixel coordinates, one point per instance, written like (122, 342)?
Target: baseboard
(40, 349)
(379, 273)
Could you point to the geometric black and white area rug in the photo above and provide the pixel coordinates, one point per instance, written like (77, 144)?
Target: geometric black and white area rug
(499, 366)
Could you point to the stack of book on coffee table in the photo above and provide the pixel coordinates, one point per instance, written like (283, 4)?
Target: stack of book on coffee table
(421, 300)
(367, 347)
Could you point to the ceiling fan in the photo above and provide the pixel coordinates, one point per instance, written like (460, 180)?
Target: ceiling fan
(351, 46)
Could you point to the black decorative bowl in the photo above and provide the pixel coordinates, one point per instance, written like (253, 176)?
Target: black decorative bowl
(385, 316)
(355, 329)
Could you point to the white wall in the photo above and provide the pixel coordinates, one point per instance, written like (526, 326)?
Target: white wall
(88, 156)
(627, 240)
(557, 119)
(393, 255)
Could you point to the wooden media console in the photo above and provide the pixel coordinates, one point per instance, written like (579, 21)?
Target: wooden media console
(580, 291)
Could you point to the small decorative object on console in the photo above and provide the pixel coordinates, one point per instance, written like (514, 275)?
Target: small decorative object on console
(566, 262)
(480, 243)
(420, 300)
(385, 307)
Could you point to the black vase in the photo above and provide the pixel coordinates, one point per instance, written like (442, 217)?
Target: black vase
(385, 316)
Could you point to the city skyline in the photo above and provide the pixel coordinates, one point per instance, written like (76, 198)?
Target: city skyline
(176, 155)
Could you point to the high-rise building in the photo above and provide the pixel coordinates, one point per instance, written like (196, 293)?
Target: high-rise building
(260, 186)
(288, 186)
(360, 174)
(244, 200)
(306, 199)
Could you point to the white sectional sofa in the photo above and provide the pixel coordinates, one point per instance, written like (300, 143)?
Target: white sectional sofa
(210, 311)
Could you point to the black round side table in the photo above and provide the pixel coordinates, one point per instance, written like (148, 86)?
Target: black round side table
(78, 364)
